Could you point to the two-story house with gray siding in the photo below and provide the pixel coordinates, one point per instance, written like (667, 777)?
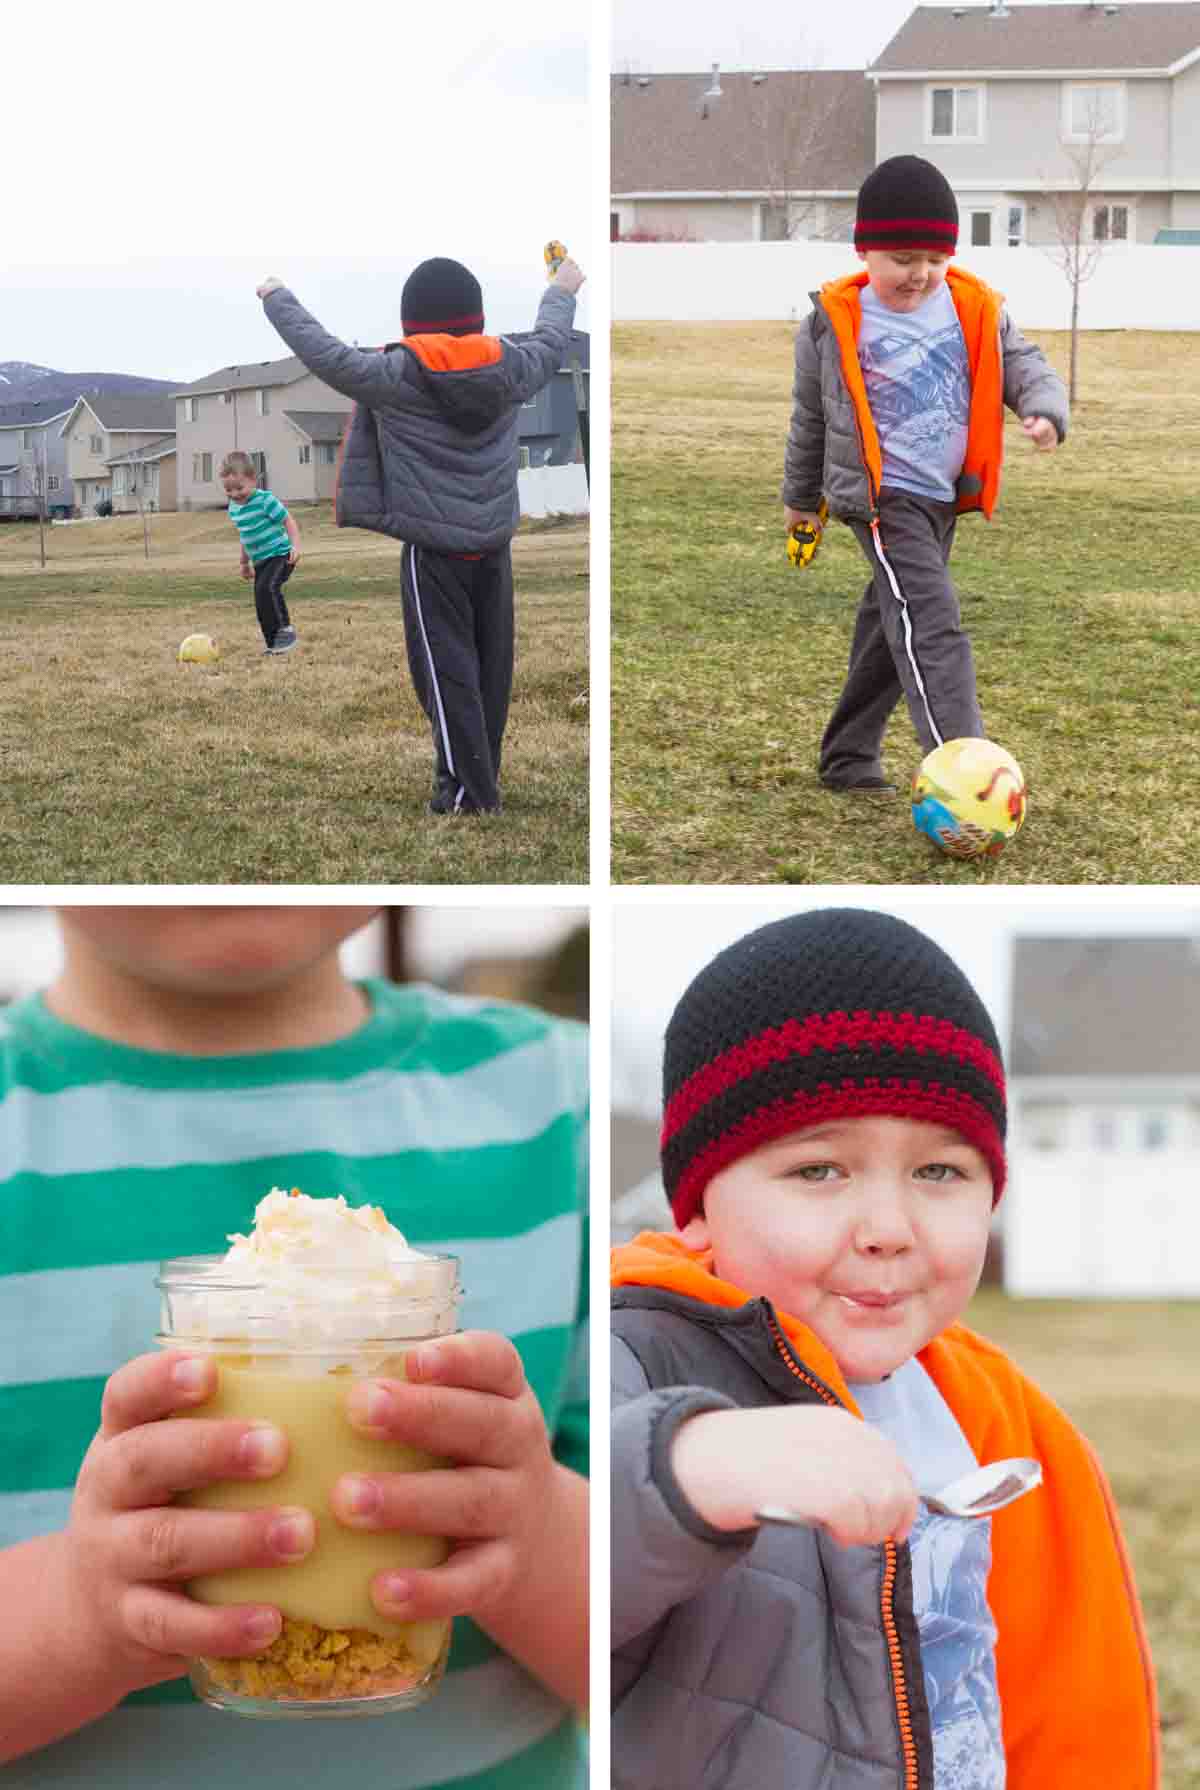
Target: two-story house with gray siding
(283, 416)
(33, 460)
(1007, 101)
(548, 433)
(99, 428)
(739, 157)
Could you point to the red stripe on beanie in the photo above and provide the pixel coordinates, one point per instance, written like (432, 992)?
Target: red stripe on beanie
(440, 325)
(826, 1031)
(924, 1101)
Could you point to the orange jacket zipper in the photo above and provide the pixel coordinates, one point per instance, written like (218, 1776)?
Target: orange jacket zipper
(886, 1602)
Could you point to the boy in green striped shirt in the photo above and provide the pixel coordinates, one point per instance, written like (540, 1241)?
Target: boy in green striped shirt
(184, 1061)
(270, 547)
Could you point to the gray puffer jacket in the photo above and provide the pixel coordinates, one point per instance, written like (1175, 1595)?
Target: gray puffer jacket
(825, 452)
(759, 1660)
(430, 455)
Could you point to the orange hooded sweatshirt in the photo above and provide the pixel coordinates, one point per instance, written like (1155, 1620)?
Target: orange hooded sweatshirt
(978, 309)
(1076, 1682)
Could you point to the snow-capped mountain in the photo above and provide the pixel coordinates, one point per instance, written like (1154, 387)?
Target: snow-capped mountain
(21, 382)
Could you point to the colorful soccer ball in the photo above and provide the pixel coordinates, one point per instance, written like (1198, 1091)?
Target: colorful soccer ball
(199, 649)
(969, 797)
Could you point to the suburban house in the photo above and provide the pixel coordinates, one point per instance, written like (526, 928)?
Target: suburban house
(291, 423)
(100, 428)
(33, 460)
(1012, 101)
(1017, 105)
(144, 477)
(287, 420)
(739, 157)
(1104, 1112)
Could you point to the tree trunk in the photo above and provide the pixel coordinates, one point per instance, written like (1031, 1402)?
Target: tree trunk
(1074, 335)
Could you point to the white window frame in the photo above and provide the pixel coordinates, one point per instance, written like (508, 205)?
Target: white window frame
(1111, 205)
(262, 401)
(26, 440)
(955, 136)
(189, 409)
(1015, 239)
(305, 454)
(53, 482)
(96, 445)
(522, 459)
(227, 397)
(118, 481)
(206, 469)
(1070, 88)
(327, 453)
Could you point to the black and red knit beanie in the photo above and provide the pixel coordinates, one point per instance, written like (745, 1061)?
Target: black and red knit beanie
(906, 204)
(441, 298)
(837, 1013)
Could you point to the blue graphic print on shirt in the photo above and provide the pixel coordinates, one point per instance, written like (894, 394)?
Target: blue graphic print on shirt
(919, 388)
(951, 1559)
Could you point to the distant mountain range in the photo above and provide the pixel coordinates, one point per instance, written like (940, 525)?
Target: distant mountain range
(23, 383)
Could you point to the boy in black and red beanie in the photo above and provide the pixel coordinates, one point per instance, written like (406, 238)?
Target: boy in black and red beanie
(430, 457)
(902, 375)
(833, 1146)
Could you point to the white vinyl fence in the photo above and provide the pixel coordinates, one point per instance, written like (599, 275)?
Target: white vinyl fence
(1134, 286)
(553, 490)
(1086, 1224)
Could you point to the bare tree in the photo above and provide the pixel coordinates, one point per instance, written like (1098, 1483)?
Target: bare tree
(137, 475)
(35, 474)
(1080, 231)
(794, 137)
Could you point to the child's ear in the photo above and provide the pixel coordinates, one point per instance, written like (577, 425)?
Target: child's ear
(694, 1234)
(861, 253)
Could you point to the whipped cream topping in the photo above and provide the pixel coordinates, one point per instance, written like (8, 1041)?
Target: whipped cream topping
(313, 1272)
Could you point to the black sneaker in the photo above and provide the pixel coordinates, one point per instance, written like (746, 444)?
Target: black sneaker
(859, 786)
(283, 642)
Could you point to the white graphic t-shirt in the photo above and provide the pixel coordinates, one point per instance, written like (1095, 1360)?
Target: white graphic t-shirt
(919, 388)
(951, 1559)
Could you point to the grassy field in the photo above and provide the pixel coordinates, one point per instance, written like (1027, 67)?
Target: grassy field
(118, 765)
(1126, 1374)
(1080, 599)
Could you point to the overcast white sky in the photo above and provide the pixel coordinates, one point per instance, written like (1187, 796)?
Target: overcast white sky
(658, 947)
(160, 167)
(681, 35)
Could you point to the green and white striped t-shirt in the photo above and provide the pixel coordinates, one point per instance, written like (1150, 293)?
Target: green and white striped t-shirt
(466, 1121)
(260, 523)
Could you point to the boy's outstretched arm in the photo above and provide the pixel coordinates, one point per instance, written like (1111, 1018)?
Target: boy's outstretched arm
(535, 361)
(368, 378)
(1031, 386)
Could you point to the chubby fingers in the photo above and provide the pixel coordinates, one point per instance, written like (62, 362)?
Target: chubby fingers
(147, 1465)
(465, 1397)
(175, 1543)
(475, 1576)
(170, 1622)
(153, 1386)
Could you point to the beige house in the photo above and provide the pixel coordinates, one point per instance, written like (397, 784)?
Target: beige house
(101, 428)
(279, 413)
(145, 477)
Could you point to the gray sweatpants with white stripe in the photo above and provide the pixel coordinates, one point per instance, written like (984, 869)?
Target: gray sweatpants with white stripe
(908, 641)
(458, 629)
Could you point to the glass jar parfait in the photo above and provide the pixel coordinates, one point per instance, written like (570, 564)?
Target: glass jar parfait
(286, 1355)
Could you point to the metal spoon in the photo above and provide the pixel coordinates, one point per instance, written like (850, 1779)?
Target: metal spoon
(975, 1494)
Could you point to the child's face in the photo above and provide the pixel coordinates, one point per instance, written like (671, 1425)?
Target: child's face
(210, 950)
(902, 279)
(239, 485)
(871, 1231)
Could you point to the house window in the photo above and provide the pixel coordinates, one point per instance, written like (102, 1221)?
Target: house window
(54, 483)
(189, 409)
(1104, 1131)
(523, 459)
(202, 469)
(1094, 113)
(614, 226)
(326, 453)
(97, 443)
(26, 438)
(981, 229)
(118, 481)
(305, 454)
(262, 401)
(1110, 223)
(772, 222)
(260, 467)
(1016, 226)
(227, 397)
(955, 113)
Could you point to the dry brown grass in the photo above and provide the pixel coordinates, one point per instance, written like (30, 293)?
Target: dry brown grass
(121, 766)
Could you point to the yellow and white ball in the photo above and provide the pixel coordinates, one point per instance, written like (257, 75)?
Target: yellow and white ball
(199, 649)
(968, 796)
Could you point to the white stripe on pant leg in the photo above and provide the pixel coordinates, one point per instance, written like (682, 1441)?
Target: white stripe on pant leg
(908, 639)
(437, 693)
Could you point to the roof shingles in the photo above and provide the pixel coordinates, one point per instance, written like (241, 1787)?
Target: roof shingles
(1150, 36)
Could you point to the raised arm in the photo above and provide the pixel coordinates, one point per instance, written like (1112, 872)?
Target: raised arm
(366, 376)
